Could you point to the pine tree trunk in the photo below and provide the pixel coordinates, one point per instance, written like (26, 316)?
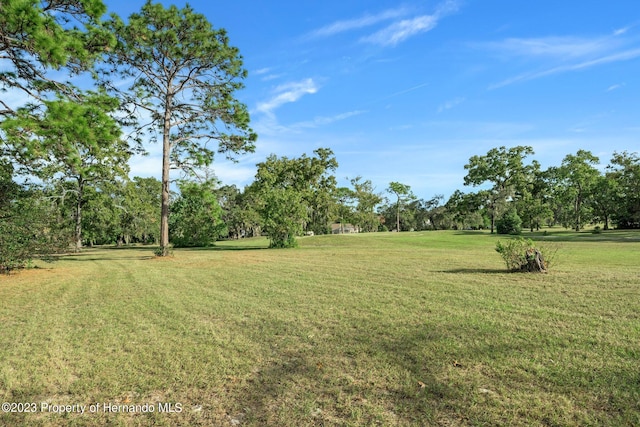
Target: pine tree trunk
(78, 216)
(166, 150)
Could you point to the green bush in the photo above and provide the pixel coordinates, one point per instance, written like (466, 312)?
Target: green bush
(524, 255)
(167, 251)
(27, 231)
(510, 223)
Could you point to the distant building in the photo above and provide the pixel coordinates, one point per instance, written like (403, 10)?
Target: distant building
(338, 228)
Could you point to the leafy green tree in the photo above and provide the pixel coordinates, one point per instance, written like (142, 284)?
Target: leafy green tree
(239, 211)
(318, 186)
(125, 211)
(278, 193)
(625, 171)
(343, 209)
(606, 200)
(467, 211)
(509, 223)
(366, 200)
(436, 212)
(505, 169)
(578, 178)
(184, 75)
(305, 187)
(532, 200)
(196, 218)
(100, 218)
(228, 197)
(283, 212)
(403, 194)
(141, 205)
(71, 141)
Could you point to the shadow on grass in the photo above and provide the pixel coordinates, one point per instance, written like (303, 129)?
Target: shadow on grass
(417, 375)
(224, 248)
(475, 271)
(102, 258)
(92, 254)
(621, 236)
(294, 387)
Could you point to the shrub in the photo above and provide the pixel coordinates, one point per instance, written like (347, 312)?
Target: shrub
(523, 255)
(167, 251)
(510, 223)
(28, 231)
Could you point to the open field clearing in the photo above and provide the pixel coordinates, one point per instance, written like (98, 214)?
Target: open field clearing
(355, 330)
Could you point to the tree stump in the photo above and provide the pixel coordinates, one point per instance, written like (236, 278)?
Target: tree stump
(534, 262)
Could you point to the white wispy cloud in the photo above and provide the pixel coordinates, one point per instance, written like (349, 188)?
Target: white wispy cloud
(271, 77)
(614, 57)
(286, 93)
(554, 55)
(264, 70)
(401, 30)
(402, 92)
(558, 47)
(614, 87)
(450, 104)
(361, 22)
(325, 120)
(621, 31)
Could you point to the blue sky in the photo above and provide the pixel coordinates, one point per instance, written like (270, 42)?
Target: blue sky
(409, 91)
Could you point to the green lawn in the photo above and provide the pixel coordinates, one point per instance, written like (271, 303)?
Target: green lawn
(355, 330)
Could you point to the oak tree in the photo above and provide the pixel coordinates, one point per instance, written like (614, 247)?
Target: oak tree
(505, 169)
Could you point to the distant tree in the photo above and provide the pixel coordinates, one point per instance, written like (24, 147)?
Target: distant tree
(403, 194)
(100, 218)
(532, 200)
(317, 183)
(283, 213)
(505, 169)
(343, 209)
(509, 223)
(578, 177)
(467, 210)
(436, 211)
(184, 75)
(366, 200)
(625, 171)
(70, 140)
(278, 191)
(137, 205)
(306, 187)
(606, 200)
(238, 212)
(196, 218)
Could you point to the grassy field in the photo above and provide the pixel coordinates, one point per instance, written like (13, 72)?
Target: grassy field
(355, 330)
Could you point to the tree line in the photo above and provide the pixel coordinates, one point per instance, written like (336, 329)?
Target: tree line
(166, 74)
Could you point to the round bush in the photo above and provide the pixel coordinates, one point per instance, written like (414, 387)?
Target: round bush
(510, 223)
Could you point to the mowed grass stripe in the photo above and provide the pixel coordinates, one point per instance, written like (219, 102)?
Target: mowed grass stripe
(389, 329)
